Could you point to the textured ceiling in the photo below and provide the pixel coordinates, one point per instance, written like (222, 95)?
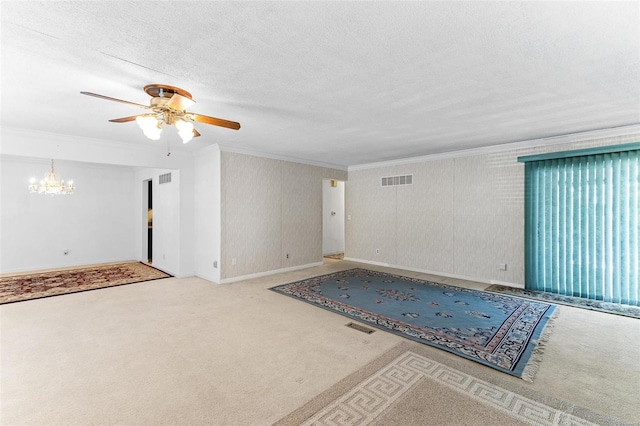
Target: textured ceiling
(344, 83)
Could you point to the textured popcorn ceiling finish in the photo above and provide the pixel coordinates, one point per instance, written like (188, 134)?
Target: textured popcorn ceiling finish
(344, 83)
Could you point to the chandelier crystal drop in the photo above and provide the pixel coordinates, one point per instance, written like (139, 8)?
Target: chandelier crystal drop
(51, 184)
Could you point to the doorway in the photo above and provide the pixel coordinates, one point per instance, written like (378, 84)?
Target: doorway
(148, 215)
(333, 212)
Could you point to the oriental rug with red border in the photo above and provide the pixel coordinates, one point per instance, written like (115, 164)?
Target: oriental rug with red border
(21, 287)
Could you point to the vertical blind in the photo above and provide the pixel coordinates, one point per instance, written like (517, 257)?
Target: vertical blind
(581, 223)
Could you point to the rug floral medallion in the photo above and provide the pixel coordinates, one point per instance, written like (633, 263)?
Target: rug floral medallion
(496, 330)
(23, 287)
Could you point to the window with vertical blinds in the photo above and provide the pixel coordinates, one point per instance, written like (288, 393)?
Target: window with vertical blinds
(581, 223)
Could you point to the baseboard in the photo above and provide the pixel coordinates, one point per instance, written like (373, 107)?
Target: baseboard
(371, 262)
(508, 284)
(428, 271)
(44, 269)
(267, 273)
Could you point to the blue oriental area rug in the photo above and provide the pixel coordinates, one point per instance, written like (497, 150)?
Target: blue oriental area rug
(496, 330)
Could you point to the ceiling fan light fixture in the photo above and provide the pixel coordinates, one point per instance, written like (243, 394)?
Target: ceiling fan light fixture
(185, 130)
(168, 105)
(150, 126)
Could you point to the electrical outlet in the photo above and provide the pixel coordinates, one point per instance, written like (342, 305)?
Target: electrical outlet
(377, 251)
(287, 255)
(215, 263)
(503, 266)
(233, 261)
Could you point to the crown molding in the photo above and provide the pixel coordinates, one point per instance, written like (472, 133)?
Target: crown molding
(20, 142)
(527, 144)
(138, 154)
(246, 151)
(60, 137)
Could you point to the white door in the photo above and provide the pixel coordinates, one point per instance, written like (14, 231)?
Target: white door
(332, 216)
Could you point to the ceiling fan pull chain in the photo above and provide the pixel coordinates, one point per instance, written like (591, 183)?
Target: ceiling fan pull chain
(168, 148)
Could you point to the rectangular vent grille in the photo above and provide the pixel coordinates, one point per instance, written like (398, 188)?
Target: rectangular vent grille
(165, 178)
(360, 327)
(397, 180)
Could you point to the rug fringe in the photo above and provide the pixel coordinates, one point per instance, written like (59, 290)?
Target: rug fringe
(531, 368)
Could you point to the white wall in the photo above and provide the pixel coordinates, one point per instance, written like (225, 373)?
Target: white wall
(207, 214)
(94, 224)
(146, 158)
(463, 216)
(187, 219)
(332, 225)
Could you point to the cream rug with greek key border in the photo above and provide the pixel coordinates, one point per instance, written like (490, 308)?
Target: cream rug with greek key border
(413, 388)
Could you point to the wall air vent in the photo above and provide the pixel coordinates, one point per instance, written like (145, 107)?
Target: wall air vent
(397, 180)
(165, 178)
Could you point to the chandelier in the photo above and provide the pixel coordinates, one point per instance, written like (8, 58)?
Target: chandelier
(51, 184)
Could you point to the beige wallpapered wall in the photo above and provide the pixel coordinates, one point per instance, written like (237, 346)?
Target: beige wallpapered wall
(270, 208)
(462, 216)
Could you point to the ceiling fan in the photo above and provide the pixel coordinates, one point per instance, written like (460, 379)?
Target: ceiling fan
(168, 106)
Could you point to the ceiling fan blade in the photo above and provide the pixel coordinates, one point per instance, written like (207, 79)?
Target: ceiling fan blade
(195, 133)
(124, 119)
(179, 102)
(215, 121)
(114, 99)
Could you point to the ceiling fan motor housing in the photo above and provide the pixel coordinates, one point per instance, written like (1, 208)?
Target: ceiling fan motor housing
(166, 91)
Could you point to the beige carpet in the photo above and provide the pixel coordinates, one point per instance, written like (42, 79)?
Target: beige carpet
(189, 352)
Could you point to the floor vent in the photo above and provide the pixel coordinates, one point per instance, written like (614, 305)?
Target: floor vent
(397, 180)
(360, 328)
(165, 178)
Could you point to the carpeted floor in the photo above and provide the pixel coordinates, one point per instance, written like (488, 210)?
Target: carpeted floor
(499, 331)
(577, 302)
(16, 288)
(184, 351)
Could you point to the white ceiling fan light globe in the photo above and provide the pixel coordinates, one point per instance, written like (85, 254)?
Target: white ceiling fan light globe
(185, 130)
(150, 126)
(153, 134)
(146, 121)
